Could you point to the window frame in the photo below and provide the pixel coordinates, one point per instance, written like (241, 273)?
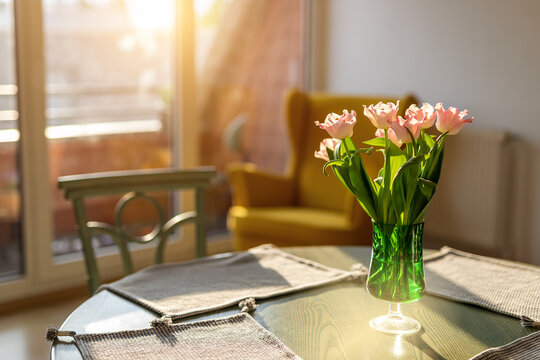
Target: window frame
(41, 273)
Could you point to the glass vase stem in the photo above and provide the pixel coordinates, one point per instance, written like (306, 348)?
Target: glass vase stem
(395, 323)
(394, 311)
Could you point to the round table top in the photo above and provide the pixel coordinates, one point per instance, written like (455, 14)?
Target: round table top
(330, 322)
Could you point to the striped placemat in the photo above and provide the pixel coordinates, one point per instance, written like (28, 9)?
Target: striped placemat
(525, 348)
(502, 286)
(237, 337)
(194, 287)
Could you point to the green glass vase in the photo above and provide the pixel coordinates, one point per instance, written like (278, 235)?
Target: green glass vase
(396, 274)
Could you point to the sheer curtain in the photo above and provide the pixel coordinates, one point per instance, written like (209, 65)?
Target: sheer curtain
(255, 53)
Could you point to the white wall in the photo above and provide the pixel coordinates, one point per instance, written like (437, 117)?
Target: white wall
(483, 55)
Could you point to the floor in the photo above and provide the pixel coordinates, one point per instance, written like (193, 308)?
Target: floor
(22, 333)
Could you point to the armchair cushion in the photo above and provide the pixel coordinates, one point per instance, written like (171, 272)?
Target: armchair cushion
(283, 226)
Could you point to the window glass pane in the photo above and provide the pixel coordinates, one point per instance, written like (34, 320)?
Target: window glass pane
(248, 53)
(108, 85)
(10, 215)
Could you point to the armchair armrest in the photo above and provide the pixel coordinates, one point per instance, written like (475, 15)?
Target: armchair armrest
(252, 187)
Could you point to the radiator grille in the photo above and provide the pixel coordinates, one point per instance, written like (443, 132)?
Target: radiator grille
(470, 209)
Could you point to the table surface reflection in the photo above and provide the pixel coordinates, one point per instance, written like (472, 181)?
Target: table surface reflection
(330, 322)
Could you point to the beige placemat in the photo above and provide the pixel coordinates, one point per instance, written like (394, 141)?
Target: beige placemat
(238, 337)
(198, 286)
(525, 348)
(502, 286)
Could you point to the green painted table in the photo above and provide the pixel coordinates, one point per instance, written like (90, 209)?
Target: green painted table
(329, 322)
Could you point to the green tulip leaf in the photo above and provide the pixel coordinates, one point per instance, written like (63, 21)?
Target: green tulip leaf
(350, 145)
(342, 173)
(421, 215)
(432, 169)
(396, 162)
(429, 140)
(336, 153)
(331, 154)
(411, 163)
(378, 141)
(363, 151)
(427, 187)
(332, 163)
(377, 184)
(398, 199)
(362, 185)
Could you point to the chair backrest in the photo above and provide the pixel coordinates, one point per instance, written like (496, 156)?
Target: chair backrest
(301, 111)
(135, 184)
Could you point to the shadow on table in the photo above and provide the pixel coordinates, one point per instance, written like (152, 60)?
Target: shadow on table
(417, 341)
(166, 336)
(226, 277)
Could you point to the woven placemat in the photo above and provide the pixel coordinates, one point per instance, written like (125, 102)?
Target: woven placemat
(525, 348)
(237, 337)
(502, 286)
(194, 287)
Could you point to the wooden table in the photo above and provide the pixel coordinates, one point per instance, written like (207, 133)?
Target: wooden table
(330, 322)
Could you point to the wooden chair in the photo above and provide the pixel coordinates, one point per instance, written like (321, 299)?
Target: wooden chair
(135, 185)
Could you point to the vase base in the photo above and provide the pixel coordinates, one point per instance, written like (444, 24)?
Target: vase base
(395, 325)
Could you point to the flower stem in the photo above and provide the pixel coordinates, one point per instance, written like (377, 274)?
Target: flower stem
(442, 136)
(347, 151)
(387, 179)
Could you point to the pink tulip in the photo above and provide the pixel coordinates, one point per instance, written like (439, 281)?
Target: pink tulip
(391, 136)
(429, 116)
(339, 127)
(329, 143)
(398, 134)
(451, 120)
(425, 115)
(400, 129)
(413, 125)
(381, 115)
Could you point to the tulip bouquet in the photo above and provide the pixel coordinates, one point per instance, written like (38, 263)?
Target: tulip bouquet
(412, 158)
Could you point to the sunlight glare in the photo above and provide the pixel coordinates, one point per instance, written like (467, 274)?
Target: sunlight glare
(201, 7)
(151, 15)
(398, 346)
(97, 129)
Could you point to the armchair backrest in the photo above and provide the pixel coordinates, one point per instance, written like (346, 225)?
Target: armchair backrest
(314, 189)
(132, 185)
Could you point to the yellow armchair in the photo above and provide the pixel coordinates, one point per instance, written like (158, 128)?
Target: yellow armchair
(304, 207)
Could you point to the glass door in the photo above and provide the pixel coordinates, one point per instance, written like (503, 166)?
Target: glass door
(108, 74)
(91, 86)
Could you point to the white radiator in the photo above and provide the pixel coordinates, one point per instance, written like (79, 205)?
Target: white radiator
(471, 209)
